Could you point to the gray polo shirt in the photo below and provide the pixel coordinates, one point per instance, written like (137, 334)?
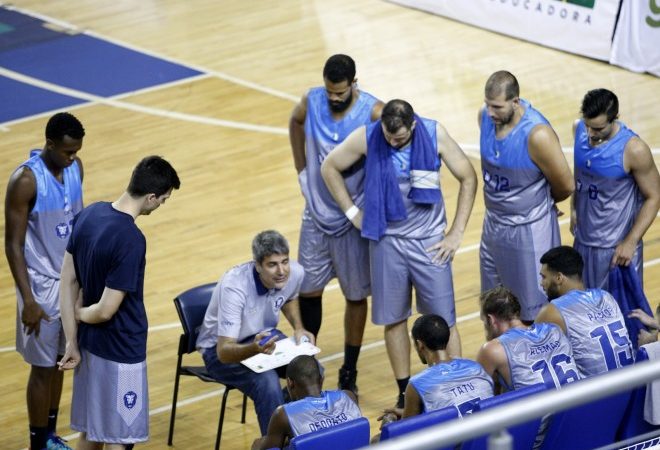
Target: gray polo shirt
(241, 306)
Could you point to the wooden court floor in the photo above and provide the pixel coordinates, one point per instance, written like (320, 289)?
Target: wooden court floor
(238, 179)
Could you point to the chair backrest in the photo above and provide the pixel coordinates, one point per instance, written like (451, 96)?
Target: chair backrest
(633, 423)
(410, 424)
(191, 306)
(523, 434)
(587, 426)
(345, 436)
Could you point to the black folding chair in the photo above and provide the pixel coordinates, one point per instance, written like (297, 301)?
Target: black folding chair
(191, 306)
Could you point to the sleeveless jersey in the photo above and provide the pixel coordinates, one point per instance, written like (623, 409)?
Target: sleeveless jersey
(515, 190)
(460, 383)
(322, 134)
(596, 329)
(539, 354)
(607, 198)
(316, 413)
(423, 221)
(49, 221)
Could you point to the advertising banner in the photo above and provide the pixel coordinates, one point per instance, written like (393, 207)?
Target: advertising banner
(584, 27)
(636, 43)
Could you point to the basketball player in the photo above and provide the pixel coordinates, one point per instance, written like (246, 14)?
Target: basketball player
(525, 173)
(312, 409)
(517, 355)
(617, 193)
(329, 244)
(591, 318)
(446, 381)
(404, 218)
(43, 196)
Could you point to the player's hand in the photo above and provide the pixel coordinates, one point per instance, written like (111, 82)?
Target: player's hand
(267, 347)
(647, 321)
(71, 357)
(446, 248)
(623, 253)
(390, 415)
(357, 220)
(31, 318)
(303, 335)
(646, 337)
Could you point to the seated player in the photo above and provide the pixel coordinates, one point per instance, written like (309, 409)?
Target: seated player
(447, 381)
(311, 409)
(591, 318)
(517, 355)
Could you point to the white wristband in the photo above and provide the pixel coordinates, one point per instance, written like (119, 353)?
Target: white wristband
(352, 212)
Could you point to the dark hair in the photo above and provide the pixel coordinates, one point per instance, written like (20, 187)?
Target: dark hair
(502, 81)
(600, 101)
(269, 242)
(564, 259)
(64, 124)
(432, 330)
(501, 303)
(153, 175)
(396, 114)
(304, 369)
(339, 68)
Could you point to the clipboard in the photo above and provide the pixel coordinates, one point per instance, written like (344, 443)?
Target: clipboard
(285, 351)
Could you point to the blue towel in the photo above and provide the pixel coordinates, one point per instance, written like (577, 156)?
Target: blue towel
(625, 287)
(382, 199)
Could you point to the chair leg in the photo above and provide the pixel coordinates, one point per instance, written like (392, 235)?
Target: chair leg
(244, 407)
(170, 435)
(222, 419)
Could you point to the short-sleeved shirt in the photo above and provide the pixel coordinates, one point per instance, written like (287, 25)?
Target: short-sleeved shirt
(241, 306)
(108, 250)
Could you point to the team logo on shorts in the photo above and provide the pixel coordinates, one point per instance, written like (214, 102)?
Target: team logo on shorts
(130, 399)
(62, 230)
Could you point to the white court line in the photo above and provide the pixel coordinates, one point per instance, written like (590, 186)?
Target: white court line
(139, 108)
(4, 126)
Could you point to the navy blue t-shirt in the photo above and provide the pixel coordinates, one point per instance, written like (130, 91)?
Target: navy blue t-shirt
(108, 249)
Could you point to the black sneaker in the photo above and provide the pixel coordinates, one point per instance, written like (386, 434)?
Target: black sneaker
(347, 378)
(400, 401)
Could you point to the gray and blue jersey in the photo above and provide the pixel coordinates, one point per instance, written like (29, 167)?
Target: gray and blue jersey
(607, 198)
(49, 221)
(423, 221)
(322, 134)
(460, 382)
(317, 413)
(538, 354)
(515, 190)
(596, 329)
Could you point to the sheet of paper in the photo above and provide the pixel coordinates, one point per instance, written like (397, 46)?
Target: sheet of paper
(285, 351)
